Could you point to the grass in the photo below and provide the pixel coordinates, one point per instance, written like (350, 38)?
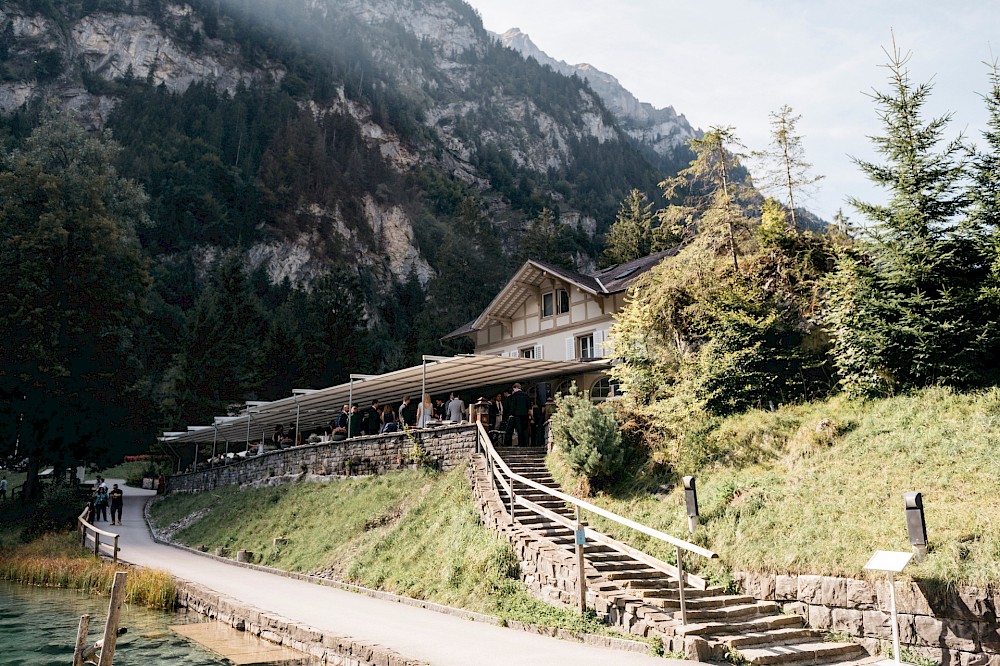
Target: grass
(56, 560)
(816, 488)
(133, 472)
(413, 533)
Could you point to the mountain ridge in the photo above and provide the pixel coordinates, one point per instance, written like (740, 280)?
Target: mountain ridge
(662, 130)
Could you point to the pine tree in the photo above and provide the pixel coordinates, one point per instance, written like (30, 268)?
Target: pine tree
(631, 236)
(905, 313)
(786, 172)
(710, 196)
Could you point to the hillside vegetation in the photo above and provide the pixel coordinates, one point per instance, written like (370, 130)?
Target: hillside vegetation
(411, 533)
(816, 488)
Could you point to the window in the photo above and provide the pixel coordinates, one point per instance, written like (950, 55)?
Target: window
(562, 305)
(585, 346)
(601, 390)
(528, 352)
(555, 302)
(548, 304)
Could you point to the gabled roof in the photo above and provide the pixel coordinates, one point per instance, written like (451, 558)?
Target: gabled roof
(528, 279)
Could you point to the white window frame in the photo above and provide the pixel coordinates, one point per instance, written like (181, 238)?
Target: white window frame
(526, 352)
(559, 301)
(601, 398)
(582, 341)
(552, 301)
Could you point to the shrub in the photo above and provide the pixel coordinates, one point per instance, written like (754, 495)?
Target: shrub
(588, 435)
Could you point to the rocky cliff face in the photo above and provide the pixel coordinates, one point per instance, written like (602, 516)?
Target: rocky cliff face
(460, 117)
(663, 130)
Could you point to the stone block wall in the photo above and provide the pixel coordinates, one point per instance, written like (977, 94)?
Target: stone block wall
(446, 447)
(955, 626)
(319, 647)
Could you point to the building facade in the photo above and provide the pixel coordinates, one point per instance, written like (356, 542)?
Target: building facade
(548, 312)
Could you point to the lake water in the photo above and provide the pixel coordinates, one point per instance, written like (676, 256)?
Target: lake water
(38, 628)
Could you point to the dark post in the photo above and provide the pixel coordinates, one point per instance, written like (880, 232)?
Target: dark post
(691, 500)
(915, 524)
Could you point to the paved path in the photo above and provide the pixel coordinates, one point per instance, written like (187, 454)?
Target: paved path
(415, 633)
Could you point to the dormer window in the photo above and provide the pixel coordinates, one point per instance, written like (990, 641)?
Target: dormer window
(555, 302)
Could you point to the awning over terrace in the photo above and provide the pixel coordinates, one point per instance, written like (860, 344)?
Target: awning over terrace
(438, 375)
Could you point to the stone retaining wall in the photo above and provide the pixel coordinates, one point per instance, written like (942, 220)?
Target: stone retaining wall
(955, 626)
(322, 648)
(446, 447)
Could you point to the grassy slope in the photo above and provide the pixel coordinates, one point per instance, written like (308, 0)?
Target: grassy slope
(412, 533)
(787, 497)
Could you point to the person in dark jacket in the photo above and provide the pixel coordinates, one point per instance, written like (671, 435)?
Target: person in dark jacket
(519, 411)
(373, 422)
(355, 422)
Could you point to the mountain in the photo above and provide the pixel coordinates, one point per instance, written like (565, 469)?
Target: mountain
(392, 144)
(661, 132)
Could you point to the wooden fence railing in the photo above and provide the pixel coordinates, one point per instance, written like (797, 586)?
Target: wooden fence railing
(501, 476)
(90, 537)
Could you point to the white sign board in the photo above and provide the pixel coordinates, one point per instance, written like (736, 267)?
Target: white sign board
(888, 561)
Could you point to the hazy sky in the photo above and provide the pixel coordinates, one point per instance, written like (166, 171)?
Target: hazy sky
(733, 62)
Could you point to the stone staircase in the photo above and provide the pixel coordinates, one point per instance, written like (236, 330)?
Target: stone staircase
(644, 601)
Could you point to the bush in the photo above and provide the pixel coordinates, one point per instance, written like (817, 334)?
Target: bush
(56, 510)
(588, 435)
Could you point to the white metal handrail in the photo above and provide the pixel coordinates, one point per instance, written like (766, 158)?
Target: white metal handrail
(84, 529)
(494, 461)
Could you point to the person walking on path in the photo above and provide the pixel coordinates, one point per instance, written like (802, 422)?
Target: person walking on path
(101, 503)
(117, 504)
(3, 489)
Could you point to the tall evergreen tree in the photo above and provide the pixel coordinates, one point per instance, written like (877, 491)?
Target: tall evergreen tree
(74, 295)
(218, 362)
(631, 236)
(905, 314)
(710, 197)
(786, 172)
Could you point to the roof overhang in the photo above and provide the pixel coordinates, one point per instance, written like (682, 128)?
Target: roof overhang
(438, 375)
(526, 282)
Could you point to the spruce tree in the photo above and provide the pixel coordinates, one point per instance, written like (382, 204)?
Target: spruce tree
(904, 313)
(631, 236)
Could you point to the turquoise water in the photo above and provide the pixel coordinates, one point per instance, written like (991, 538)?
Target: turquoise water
(38, 628)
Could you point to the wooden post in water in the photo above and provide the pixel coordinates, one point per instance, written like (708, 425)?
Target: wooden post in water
(114, 613)
(97, 543)
(81, 640)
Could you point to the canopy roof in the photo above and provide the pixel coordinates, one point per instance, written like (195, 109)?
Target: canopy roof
(443, 375)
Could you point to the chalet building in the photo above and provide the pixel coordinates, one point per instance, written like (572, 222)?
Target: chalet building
(548, 312)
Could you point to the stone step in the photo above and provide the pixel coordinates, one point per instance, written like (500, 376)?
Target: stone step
(738, 611)
(669, 599)
(801, 653)
(709, 629)
(784, 636)
(625, 572)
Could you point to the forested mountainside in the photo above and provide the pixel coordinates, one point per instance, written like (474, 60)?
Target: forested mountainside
(380, 163)
(662, 134)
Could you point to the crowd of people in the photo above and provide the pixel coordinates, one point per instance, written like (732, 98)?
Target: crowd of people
(507, 415)
(102, 499)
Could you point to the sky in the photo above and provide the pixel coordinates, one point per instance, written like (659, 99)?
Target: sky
(734, 62)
